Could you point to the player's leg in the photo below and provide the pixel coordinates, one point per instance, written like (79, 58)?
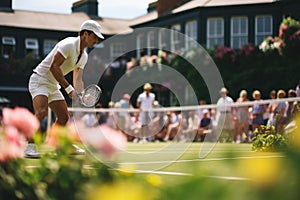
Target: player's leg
(60, 109)
(40, 106)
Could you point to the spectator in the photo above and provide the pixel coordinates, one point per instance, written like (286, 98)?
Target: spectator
(241, 118)
(205, 126)
(298, 90)
(280, 111)
(200, 110)
(173, 127)
(268, 115)
(90, 119)
(224, 113)
(124, 117)
(292, 105)
(257, 111)
(192, 126)
(145, 102)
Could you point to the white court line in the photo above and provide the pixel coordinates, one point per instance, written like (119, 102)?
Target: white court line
(196, 160)
(162, 173)
(231, 178)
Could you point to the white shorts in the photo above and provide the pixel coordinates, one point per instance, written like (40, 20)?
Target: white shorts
(39, 85)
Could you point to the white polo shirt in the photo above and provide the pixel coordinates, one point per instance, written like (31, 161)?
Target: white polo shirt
(70, 50)
(224, 101)
(146, 102)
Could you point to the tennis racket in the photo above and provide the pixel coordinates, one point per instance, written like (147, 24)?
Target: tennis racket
(90, 95)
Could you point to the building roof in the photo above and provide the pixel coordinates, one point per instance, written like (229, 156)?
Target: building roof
(214, 3)
(111, 26)
(145, 18)
(43, 20)
(60, 22)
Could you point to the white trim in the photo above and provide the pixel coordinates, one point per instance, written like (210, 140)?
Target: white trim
(175, 37)
(162, 36)
(215, 36)
(31, 43)
(8, 41)
(191, 30)
(265, 34)
(150, 42)
(139, 41)
(241, 34)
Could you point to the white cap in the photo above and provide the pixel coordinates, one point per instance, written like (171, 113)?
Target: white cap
(91, 25)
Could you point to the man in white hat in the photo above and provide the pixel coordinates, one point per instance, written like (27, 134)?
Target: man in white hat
(68, 55)
(145, 101)
(224, 113)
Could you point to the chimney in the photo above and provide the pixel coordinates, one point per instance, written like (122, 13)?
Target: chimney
(166, 6)
(152, 6)
(90, 7)
(6, 6)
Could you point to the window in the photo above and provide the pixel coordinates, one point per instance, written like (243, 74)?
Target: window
(191, 30)
(239, 32)
(8, 47)
(263, 28)
(116, 50)
(162, 39)
(175, 40)
(215, 32)
(150, 42)
(49, 45)
(32, 47)
(139, 45)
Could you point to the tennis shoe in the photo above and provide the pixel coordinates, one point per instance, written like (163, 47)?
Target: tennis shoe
(31, 152)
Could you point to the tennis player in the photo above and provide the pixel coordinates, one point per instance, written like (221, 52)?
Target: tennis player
(48, 77)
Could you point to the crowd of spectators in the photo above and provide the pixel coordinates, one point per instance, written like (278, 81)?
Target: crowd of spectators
(231, 118)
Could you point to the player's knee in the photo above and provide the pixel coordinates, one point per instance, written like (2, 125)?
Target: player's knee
(62, 119)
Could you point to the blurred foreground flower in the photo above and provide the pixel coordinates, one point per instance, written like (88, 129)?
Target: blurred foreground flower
(122, 190)
(17, 123)
(22, 119)
(105, 139)
(261, 171)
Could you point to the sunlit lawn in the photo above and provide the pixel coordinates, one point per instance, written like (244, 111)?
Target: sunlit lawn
(176, 162)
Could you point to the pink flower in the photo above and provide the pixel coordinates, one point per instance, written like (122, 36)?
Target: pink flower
(10, 151)
(12, 136)
(105, 139)
(11, 145)
(22, 119)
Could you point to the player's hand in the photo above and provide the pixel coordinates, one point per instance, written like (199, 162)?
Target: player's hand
(73, 95)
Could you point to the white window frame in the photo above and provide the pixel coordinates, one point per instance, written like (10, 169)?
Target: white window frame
(8, 42)
(150, 42)
(49, 44)
(117, 49)
(34, 47)
(191, 30)
(162, 39)
(215, 37)
(263, 34)
(139, 42)
(175, 40)
(241, 35)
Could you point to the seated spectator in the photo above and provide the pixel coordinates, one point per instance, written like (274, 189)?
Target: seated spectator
(90, 119)
(192, 126)
(204, 127)
(173, 127)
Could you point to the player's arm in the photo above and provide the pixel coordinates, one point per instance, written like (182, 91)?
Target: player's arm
(55, 69)
(77, 79)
